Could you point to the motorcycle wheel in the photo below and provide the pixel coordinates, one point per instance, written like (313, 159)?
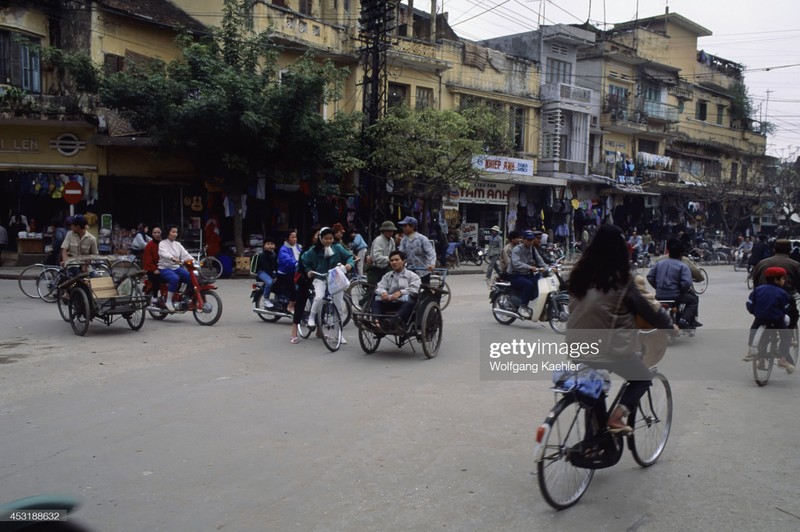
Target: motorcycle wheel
(269, 318)
(503, 301)
(558, 313)
(477, 260)
(211, 311)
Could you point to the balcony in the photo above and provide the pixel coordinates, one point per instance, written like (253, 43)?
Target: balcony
(569, 94)
(561, 166)
(18, 104)
(657, 111)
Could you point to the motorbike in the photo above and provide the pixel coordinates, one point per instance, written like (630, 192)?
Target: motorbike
(200, 298)
(676, 309)
(552, 303)
(473, 254)
(279, 304)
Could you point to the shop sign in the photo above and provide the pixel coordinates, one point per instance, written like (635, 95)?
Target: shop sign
(14, 144)
(503, 165)
(482, 192)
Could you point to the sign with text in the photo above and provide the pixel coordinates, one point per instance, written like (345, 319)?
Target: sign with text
(503, 165)
(482, 192)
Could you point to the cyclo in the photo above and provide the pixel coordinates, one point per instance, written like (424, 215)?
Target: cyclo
(424, 324)
(94, 294)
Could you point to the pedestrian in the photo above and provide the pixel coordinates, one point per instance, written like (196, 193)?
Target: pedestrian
(358, 247)
(493, 254)
(418, 249)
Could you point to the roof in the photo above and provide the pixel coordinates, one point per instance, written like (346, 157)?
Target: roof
(161, 12)
(659, 20)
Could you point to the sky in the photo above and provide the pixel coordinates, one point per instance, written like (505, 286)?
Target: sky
(759, 34)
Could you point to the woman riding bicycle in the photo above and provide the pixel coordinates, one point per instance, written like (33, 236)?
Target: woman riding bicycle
(323, 256)
(605, 302)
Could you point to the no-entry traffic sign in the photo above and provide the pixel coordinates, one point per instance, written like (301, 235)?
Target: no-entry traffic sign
(73, 192)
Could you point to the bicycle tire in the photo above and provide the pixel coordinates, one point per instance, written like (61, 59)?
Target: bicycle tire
(701, 286)
(651, 422)
(432, 326)
(211, 268)
(358, 293)
(136, 318)
(303, 329)
(62, 300)
(330, 324)
(749, 281)
(80, 310)
(47, 284)
(369, 340)
(27, 280)
(123, 268)
(445, 299)
(561, 483)
(765, 360)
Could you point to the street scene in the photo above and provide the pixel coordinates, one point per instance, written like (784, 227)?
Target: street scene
(178, 426)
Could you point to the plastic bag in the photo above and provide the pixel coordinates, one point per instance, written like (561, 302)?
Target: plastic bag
(337, 280)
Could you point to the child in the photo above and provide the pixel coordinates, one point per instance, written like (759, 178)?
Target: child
(267, 268)
(769, 304)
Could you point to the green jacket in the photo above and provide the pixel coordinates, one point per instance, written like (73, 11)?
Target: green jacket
(315, 260)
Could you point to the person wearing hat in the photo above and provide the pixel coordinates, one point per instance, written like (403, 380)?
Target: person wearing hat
(523, 270)
(379, 252)
(495, 248)
(781, 259)
(769, 303)
(267, 269)
(419, 250)
(672, 280)
(78, 242)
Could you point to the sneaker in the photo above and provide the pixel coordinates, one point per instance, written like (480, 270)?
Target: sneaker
(785, 365)
(749, 357)
(268, 304)
(525, 312)
(312, 322)
(344, 340)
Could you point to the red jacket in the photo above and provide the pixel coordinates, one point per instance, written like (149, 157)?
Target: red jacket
(150, 257)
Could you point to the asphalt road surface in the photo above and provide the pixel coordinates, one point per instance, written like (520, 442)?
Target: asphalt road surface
(230, 427)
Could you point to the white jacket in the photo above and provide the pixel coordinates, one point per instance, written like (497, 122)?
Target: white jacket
(167, 249)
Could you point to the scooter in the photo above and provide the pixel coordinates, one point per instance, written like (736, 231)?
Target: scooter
(200, 298)
(552, 303)
(271, 314)
(474, 254)
(676, 309)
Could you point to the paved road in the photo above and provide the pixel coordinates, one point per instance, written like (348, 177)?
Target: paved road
(182, 427)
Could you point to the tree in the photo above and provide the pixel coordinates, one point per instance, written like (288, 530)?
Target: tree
(428, 152)
(224, 104)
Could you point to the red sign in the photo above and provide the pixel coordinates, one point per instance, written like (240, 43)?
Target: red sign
(73, 192)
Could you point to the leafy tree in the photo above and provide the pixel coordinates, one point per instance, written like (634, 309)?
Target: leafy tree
(427, 152)
(224, 103)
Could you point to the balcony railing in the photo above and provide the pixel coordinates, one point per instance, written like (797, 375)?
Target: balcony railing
(658, 110)
(566, 93)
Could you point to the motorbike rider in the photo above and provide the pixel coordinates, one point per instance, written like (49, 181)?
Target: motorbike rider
(781, 259)
(171, 255)
(267, 269)
(505, 257)
(150, 262)
(672, 280)
(636, 245)
(523, 270)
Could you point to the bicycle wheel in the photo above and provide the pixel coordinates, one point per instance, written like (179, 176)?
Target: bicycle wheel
(80, 311)
(369, 340)
(651, 422)
(358, 293)
(561, 483)
(27, 280)
(348, 312)
(749, 281)
(767, 351)
(445, 300)
(62, 299)
(47, 284)
(701, 286)
(211, 268)
(123, 268)
(303, 329)
(136, 318)
(211, 311)
(331, 325)
(432, 325)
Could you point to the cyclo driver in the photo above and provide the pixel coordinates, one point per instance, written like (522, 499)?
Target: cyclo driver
(523, 270)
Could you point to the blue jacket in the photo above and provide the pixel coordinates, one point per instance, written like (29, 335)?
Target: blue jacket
(358, 244)
(286, 263)
(670, 278)
(769, 302)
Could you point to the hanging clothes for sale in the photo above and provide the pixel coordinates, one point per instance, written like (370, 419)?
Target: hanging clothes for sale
(261, 188)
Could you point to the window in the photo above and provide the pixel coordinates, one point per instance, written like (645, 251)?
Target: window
(398, 95)
(113, 64)
(19, 61)
(648, 146)
(518, 127)
(681, 106)
(305, 7)
(652, 93)
(734, 172)
(424, 98)
(558, 71)
(720, 113)
(700, 110)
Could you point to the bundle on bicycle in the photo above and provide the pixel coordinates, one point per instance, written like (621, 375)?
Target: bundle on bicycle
(418, 316)
(91, 293)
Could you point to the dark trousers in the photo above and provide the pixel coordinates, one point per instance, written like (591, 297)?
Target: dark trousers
(155, 283)
(302, 299)
(691, 309)
(403, 308)
(375, 274)
(527, 285)
(633, 370)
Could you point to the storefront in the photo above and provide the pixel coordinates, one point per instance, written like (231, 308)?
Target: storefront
(477, 209)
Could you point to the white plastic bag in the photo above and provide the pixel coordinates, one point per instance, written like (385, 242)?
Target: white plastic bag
(337, 280)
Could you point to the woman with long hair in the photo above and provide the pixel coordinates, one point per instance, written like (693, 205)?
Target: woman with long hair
(604, 304)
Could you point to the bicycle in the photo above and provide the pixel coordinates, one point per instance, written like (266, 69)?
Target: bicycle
(438, 276)
(210, 267)
(764, 351)
(328, 319)
(125, 267)
(573, 441)
(27, 279)
(48, 281)
(701, 286)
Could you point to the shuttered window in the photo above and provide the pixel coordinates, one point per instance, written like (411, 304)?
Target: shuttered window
(19, 62)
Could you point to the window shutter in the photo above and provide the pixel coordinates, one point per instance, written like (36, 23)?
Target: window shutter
(15, 64)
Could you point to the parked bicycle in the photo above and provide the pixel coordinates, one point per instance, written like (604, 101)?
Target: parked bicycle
(573, 441)
(28, 278)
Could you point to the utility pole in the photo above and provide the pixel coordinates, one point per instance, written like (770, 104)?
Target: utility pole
(376, 23)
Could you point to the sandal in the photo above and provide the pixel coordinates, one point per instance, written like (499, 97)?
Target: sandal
(294, 340)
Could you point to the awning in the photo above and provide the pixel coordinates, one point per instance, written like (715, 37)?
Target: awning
(516, 179)
(630, 190)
